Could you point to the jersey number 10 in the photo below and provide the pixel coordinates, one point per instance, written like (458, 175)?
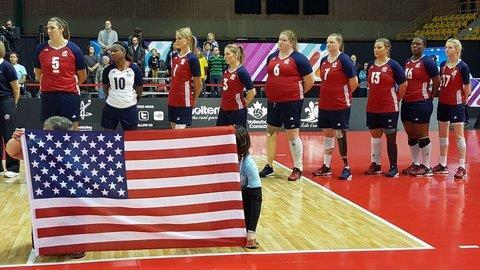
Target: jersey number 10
(119, 83)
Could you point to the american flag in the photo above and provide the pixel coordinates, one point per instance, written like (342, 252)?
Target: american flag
(92, 191)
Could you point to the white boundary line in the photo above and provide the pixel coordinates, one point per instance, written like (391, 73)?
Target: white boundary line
(365, 211)
(31, 257)
(222, 254)
(425, 246)
(469, 246)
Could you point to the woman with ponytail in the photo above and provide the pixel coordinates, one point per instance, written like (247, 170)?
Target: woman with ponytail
(59, 67)
(454, 90)
(387, 84)
(236, 79)
(185, 71)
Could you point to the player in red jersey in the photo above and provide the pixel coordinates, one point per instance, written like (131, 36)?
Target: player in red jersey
(290, 76)
(417, 106)
(236, 79)
(339, 80)
(185, 70)
(454, 91)
(59, 66)
(384, 75)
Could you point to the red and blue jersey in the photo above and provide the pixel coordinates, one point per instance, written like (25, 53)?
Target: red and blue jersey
(418, 73)
(234, 83)
(184, 68)
(334, 92)
(285, 76)
(452, 81)
(59, 67)
(383, 81)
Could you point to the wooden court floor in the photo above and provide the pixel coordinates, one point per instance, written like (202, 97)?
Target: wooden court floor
(295, 217)
(308, 224)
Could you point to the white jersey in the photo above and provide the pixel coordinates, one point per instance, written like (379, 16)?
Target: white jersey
(122, 85)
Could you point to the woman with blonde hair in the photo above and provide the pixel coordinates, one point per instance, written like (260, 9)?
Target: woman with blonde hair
(236, 79)
(339, 80)
(185, 71)
(9, 95)
(290, 76)
(454, 91)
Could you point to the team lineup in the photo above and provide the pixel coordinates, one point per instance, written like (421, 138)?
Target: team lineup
(59, 66)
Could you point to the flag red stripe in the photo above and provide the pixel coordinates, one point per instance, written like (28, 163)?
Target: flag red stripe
(179, 153)
(145, 244)
(123, 211)
(147, 228)
(146, 135)
(178, 172)
(183, 191)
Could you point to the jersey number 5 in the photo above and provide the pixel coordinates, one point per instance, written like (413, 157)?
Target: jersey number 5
(375, 77)
(56, 64)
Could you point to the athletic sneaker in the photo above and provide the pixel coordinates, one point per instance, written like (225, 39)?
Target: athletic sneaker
(461, 173)
(346, 174)
(323, 171)
(267, 170)
(440, 169)
(410, 169)
(374, 169)
(296, 174)
(422, 170)
(393, 172)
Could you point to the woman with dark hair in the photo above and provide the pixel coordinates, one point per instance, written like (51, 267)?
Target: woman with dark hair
(59, 67)
(251, 185)
(123, 86)
(9, 94)
(417, 106)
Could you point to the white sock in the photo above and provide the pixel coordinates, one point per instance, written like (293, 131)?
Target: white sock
(426, 153)
(443, 161)
(461, 163)
(376, 150)
(415, 152)
(296, 149)
(327, 159)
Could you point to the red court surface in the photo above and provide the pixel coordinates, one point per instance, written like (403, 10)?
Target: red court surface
(439, 210)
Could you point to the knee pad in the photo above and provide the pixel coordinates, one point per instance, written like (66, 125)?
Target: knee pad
(389, 131)
(339, 133)
(461, 143)
(423, 142)
(328, 143)
(412, 141)
(443, 141)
